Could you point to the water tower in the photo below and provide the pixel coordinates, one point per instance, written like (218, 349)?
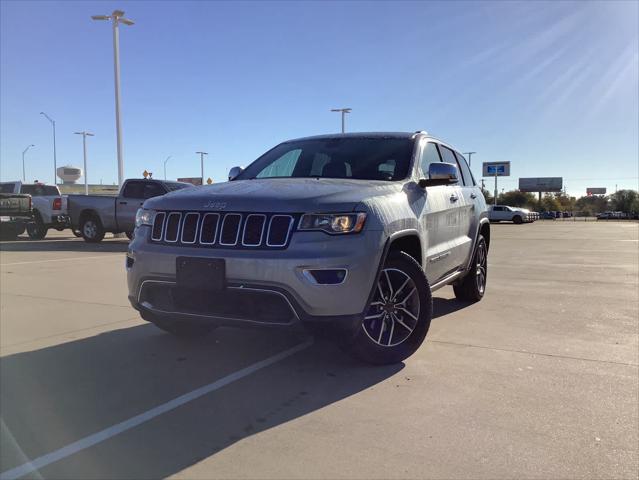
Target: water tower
(69, 174)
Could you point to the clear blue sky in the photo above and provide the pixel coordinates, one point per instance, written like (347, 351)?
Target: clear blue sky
(552, 87)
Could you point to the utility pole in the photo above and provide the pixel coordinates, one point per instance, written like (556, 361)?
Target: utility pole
(55, 161)
(495, 199)
(167, 159)
(24, 174)
(469, 155)
(344, 111)
(84, 149)
(116, 18)
(201, 154)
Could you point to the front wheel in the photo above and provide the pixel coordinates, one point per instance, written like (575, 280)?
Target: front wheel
(517, 219)
(473, 285)
(398, 317)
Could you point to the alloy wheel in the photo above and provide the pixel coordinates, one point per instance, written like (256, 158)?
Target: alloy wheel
(480, 276)
(394, 312)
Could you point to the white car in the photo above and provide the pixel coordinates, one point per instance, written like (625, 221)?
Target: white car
(504, 213)
(49, 206)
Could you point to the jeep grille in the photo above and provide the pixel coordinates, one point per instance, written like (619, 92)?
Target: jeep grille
(223, 230)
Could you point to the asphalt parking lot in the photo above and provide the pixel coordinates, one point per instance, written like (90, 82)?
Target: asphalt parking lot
(539, 380)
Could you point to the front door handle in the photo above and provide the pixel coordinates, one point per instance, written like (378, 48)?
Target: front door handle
(453, 198)
(473, 196)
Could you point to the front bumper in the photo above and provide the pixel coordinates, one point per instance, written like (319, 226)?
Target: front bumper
(279, 273)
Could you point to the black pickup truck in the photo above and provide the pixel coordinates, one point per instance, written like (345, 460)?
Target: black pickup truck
(15, 213)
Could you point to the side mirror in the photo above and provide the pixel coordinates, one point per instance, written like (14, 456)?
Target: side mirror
(440, 174)
(234, 173)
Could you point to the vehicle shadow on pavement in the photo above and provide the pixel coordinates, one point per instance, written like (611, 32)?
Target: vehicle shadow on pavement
(57, 395)
(445, 306)
(64, 245)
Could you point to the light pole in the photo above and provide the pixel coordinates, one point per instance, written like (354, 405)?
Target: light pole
(344, 111)
(55, 160)
(201, 154)
(469, 155)
(167, 159)
(24, 175)
(84, 148)
(116, 18)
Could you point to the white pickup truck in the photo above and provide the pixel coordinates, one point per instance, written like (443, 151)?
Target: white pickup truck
(49, 206)
(504, 213)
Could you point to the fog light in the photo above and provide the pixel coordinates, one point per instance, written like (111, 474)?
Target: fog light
(328, 276)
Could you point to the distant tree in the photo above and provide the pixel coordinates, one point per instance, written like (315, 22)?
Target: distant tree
(592, 205)
(515, 198)
(624, 200)
(550, 202)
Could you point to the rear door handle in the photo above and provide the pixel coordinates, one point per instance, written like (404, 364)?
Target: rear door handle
(122, 203)
(453, 198)
(473, 196)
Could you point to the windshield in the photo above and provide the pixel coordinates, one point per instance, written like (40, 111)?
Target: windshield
(346, 157)
(40, 190)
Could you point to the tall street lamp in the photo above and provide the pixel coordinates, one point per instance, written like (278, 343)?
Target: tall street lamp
(201, 154)
(55, 160)
(469, 155)
(24, 175)
(84, 148)
(344, 112)
(116, 18)
(167, 159)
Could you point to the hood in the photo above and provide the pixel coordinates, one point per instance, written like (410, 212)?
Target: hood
(292, 195)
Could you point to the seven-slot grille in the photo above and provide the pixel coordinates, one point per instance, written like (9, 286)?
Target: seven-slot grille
(223, 230)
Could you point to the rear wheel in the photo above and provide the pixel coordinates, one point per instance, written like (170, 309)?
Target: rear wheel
(37, 229)
(91, 229)
(473, 286)
(398, 317)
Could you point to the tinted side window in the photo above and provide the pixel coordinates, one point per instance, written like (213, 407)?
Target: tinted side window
(134, 190)
(463, 166)
(153, 190)
(429, 155)
(449, 157)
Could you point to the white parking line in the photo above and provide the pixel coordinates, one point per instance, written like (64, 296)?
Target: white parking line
(61, 259)
(132, 422)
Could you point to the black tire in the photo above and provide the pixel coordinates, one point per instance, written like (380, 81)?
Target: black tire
(388, 333)
(37, 229)
(473, 286)
(180, 328)
(77, 233)
(517, 220)
(91, 229)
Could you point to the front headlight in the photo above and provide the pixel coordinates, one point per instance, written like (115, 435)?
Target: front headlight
(144, 217)
(334, 223)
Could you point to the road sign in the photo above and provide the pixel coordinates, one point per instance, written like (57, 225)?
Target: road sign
(499, 169)
(541, 184)
(595, 191)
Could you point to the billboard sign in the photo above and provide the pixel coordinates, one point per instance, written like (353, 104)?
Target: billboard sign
(541, 184)
(590, 191)
(499, 169)
(192, 180)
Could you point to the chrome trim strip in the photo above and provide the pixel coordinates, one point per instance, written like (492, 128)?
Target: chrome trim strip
(288, 232)
(197, 225)
(150, 306)
(446, 280)
(261, 233)
(177, 233)
(217, 224)
(158, 239)
(237, 235)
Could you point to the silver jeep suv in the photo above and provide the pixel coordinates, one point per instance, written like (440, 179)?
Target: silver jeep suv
(345, 233)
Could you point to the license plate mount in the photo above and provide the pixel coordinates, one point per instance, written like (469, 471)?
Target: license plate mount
(201, 273)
